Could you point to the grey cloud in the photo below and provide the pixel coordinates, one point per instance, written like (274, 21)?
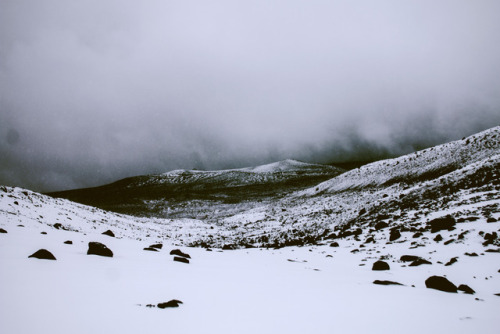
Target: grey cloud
(99, 90)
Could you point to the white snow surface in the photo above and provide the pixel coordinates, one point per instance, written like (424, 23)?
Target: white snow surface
(311, 289)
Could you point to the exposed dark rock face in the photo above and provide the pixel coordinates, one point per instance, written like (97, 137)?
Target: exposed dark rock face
(394, 235)
(68, 242)
(381, 265)
(386, 282)
(43, 254)
(171, 303)
(440, 283)
(419, 262)
(178, 252)
(157, 246)
(443, 223)
(97, 248)
(109, 233)
(491, 220)
(466, 289)
(181, 259)
(2, 230)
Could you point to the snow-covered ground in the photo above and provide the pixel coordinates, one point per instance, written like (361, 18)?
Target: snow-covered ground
(295, 281)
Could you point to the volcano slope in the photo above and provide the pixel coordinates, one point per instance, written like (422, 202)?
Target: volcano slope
(207, 195)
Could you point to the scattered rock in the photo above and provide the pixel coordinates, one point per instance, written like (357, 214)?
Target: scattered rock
(171, 303)
(68, 242)
(178, 252)
(452, 260)
(386, 282)
(109, 233)
(381, 265)
(394, 235)
(449, 241)
(409, 258)
(381, 225)
(43, 254)
(440, 283)
(334, 244)
(466, 289)
(471, 254)
(438, 238)
(442, 223)
(151, 249)
(97, 248)
(157, 246)
(419, 262)
(2, 230)
(181, 259)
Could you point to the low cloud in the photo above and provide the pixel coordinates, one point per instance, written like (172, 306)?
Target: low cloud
(94, 91)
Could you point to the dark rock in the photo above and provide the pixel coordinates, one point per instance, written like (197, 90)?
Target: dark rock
(43, 254)
(418, 235)
(381, 225)
(386, 282)
(447, 242)
(370, 240)
(109, 233)
(394, 235)
(171, 303)
(334, 244)
(419, 262)
(443, 223)
(178, 252)
(157, 246)
(491, 250)
(231, 247)
(2, 230)
(381, 265)
(466, 289)
(58, 226)
(471, 254)
(181, 259)
(44, 233)
(68, 242)
(452, 260)
(491, 220)
(440, 283)
(97, 248)
(151, 249)
(471, 219)
(409, 258)
(438, 238)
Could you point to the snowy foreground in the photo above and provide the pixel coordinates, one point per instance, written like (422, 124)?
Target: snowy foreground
(310, 289)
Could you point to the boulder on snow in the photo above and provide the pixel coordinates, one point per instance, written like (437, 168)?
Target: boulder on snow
(178, 252)
(394, 235)
(181, 259)
(334, 244)
(2, 230)
(409, 258)
(419, 262)
(452, 260)
(171, 303)
(379, 282)
(491, 220)
(43, 254)
(381, 225)
(68, 242)
(97, 248)
(109, 233)
(442, 223)
(381, 265)
(466, 289)
(157, 246)
(151, 249)
(438, 238)
(440, 283)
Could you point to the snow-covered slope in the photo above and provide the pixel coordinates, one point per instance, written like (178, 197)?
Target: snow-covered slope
(194, 194)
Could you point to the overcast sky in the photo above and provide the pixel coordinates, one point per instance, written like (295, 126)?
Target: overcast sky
(93, 91)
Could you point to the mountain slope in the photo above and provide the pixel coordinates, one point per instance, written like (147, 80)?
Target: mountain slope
(194, 194)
